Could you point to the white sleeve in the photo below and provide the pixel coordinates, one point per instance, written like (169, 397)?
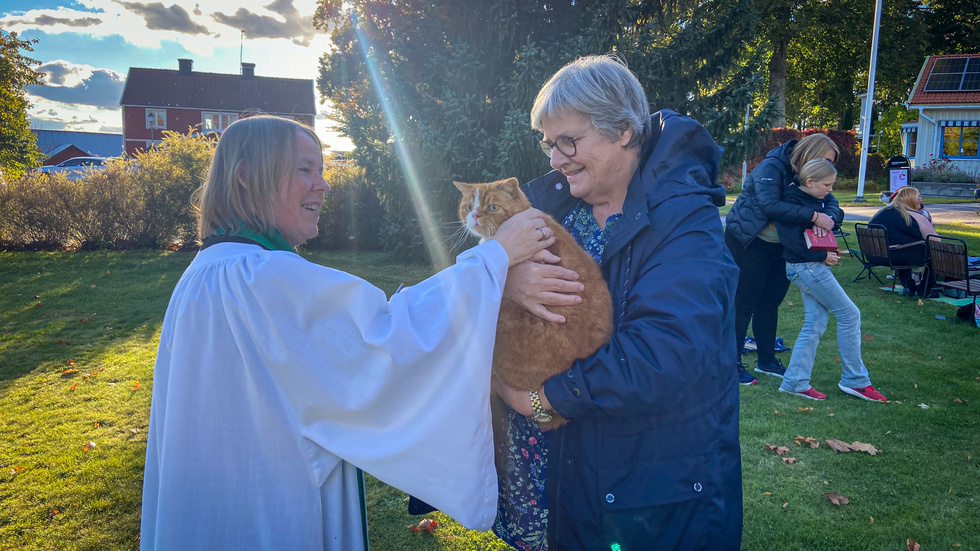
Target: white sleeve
(399, 388)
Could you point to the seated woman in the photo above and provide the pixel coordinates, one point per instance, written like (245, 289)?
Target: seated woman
(907, 229)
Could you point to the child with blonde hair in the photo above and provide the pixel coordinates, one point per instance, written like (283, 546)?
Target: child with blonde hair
(810, 271)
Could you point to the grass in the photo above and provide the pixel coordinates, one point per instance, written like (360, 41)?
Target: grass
(103, 311)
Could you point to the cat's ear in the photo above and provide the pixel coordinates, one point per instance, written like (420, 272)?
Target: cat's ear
(512, 186)
(463, 187)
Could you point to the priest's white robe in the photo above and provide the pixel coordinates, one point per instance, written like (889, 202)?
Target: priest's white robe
(277, 378)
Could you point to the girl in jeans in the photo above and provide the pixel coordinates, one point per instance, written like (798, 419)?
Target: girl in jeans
(810, 271)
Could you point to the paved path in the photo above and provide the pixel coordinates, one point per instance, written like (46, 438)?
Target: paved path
(965, 213)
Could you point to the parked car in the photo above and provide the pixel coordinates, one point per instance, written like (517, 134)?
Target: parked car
(75, 168)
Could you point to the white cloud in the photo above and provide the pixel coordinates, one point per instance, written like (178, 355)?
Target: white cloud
(74, 83)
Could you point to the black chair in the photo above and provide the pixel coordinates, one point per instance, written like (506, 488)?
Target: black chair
(875, 251)
(843, 235)
(948, 258)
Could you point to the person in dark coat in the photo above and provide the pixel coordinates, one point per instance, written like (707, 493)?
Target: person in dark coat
(822, 295)
(907, 229)
(650, 458)
(750, 233)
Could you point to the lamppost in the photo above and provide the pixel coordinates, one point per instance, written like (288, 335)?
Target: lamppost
(866, 112)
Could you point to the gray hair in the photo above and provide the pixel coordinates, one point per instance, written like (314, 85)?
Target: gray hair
(601, 88)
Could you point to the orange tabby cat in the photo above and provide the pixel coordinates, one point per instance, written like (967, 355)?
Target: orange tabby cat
(528, 349)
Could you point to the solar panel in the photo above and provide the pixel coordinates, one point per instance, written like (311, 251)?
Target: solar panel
(953, 75)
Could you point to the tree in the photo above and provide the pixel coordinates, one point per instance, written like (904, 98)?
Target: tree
(18, 147)
(431, 92)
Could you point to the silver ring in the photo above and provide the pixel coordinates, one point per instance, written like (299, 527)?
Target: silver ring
(543, 235)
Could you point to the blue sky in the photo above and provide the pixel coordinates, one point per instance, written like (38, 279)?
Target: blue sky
(87, 46)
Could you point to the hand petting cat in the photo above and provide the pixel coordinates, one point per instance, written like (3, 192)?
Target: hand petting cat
(539, 283)
(523, 235)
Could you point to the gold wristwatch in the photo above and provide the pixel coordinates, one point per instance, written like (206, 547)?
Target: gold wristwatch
(539, 415)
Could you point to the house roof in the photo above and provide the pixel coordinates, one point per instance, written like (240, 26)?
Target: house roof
(223, 92)
(920, 96)
(97, 144)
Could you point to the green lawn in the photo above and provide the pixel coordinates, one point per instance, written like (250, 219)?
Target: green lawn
(99, 314)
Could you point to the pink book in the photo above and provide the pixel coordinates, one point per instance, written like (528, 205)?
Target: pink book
(826, 243)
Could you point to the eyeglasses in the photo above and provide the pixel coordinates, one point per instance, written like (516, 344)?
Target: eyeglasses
(564, 144)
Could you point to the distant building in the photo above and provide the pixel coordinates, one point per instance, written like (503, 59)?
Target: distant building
(947, 95)
(155, 100)
(61, 145)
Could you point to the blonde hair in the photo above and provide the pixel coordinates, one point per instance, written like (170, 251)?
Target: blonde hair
(904, 200)
(252, 159)
(817, 170)
(600, 88)
(814, 146)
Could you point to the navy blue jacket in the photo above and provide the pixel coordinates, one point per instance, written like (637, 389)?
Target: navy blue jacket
(651, 455)
(761, 200)
(791, 235)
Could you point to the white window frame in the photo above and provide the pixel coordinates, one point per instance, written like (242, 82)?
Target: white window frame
(153, 144)
(224, 119)
(156, 115)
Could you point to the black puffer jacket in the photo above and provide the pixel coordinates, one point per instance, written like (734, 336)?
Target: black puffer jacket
(761, 200)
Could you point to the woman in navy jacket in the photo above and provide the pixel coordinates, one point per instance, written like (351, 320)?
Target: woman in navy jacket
(650, 458)
(750, 234)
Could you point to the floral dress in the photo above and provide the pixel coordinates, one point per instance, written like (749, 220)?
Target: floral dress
(522, 509)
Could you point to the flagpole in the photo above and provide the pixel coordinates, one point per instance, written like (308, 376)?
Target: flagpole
(869, 103)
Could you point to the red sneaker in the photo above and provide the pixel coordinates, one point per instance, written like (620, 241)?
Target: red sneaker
(868, 393)
(810, 393)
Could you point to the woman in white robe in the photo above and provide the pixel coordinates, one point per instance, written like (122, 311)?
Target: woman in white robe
(277, 379)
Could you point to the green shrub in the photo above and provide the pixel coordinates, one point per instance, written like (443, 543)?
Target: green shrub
(943, 171)
(351, 215)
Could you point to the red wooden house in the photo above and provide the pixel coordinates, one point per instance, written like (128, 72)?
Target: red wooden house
(155, 100)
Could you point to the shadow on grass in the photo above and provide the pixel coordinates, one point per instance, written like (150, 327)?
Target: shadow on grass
(57, 307)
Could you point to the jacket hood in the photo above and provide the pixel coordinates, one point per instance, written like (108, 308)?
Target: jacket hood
(681, 159)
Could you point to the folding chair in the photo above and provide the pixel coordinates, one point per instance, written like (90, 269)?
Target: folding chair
(875, 251)
(843, 235)
(948, 258)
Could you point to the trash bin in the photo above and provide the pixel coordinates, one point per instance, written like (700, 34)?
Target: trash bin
(899, 172)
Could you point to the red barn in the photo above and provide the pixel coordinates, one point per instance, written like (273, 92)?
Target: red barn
(155, 100)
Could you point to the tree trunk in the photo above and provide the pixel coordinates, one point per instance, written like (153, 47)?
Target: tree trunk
(777, 64)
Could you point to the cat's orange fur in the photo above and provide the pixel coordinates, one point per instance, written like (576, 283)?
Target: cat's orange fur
(528, 349)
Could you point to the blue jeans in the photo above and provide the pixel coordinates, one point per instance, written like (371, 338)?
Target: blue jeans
(822, 294)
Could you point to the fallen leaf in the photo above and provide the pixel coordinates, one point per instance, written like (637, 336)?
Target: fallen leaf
(69, 371)
(112, 384)
(960, 400)
(802, 410)
(785, 506)
(830, 415)
(920, 302)
(37, 296)
(955, 545)
(826, 483)
(73, 387)
(837, 499)
(862, 447)
(809, 441)
(837, 445)
(940, 356)
(836, 359)
(88, 446)
(71, 361)
(924, 406)
(789, 303)
(136, 385)
(778, 450)
(867, 338)
(777, 412)
(911, 545)
(789, 460)
(872, 520)
(84, 320)
(767, 493)
(92, 286)
(425, 525)
(916, 385)
(134, 430)
(63, 343)
(98, 424)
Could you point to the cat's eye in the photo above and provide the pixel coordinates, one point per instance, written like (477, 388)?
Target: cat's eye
(493, 208)
(467, 208)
